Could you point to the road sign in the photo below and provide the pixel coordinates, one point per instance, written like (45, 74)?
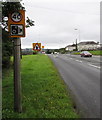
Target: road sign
(16, 16)
(17, 30)
(37, 46)
(16, 24)
(42, 47)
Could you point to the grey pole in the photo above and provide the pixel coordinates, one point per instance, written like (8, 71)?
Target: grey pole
(17, 76)
(76, 45)
(79, 35)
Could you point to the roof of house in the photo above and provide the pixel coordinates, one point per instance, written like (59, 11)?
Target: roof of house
(88, 43)
(71, 45)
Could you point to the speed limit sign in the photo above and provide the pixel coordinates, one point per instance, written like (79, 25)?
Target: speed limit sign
(16, 17)
(16, 24)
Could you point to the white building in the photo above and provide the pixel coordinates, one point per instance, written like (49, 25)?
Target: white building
(88, 45)
(70, 47)
(99, 47)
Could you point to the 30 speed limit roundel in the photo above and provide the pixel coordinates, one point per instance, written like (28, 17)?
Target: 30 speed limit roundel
(16, 17)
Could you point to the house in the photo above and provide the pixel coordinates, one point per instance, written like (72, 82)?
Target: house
(99, 47)
(88, 45)
(70, 47)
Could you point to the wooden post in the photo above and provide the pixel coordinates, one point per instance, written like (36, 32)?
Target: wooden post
(17, 76)
(20, 50)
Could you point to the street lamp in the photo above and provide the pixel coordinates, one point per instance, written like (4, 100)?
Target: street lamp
(76, 42)
(78, 37)
(78, 33)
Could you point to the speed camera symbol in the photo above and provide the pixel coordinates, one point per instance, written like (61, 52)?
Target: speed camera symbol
(16, 29)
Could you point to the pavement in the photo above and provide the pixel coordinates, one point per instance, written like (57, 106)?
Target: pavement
(82, 76)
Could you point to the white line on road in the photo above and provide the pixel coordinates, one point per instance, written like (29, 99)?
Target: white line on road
(94, 66)
(79, 61)
(96, 56)
(71, 58)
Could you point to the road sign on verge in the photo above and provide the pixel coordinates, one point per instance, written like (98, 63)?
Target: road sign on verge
(16, 16)
(16, 24)
(16, 30)
(42, 47)
(37, 46)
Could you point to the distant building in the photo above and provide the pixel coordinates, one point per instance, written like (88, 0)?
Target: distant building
(99, 47)
(27, 51)
(88, 45)
(70, 47)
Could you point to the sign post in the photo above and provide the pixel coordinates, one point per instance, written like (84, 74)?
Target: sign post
(17, 76)
(16, 28)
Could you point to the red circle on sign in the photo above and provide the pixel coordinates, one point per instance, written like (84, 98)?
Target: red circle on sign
(16, 17)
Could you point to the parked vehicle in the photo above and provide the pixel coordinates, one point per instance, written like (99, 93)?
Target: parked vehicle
(85, 54)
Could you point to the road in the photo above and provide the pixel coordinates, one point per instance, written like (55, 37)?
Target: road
(82, 76)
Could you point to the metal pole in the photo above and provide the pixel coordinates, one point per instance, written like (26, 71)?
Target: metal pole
(17, 76)
(76, 45)
(79, 35)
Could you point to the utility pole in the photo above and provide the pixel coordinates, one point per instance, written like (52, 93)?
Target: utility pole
(78, 33)
(76, 45)
(17, 76)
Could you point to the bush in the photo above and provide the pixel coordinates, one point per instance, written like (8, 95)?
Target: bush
(7, 47)
(35, 52)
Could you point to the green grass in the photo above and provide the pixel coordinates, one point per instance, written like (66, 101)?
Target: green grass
(44, 94)
(76, 53)
(97, 52)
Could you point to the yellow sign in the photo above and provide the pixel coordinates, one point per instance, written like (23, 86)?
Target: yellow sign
(37, 46)
(16, 24)
(42, 47)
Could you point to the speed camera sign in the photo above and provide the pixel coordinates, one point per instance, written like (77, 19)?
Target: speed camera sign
(17, 30)
(16, 17)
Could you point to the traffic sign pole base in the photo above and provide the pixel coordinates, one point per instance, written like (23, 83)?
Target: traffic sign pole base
(17, 76)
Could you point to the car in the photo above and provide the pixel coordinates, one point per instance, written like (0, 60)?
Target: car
(56, 52)
(43, 52)
(85, 54)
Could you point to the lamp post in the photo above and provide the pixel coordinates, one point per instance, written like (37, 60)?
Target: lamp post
(76, 45)
(78, 33)
(76, 38)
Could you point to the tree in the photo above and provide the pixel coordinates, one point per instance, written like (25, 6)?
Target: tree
(62, 50)
(6, 49)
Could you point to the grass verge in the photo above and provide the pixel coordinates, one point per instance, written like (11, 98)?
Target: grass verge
(44, 94)
(97, 52)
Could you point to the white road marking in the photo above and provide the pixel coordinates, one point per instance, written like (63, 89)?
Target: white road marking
(71, 58)
(96, 56)
(79, 61)
(94, 66)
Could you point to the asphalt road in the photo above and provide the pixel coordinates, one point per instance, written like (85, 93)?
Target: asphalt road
(82, 75)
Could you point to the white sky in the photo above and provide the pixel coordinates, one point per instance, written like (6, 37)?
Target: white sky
(56, 20)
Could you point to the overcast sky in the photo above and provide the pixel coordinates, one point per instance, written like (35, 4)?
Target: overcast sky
(56, 21)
